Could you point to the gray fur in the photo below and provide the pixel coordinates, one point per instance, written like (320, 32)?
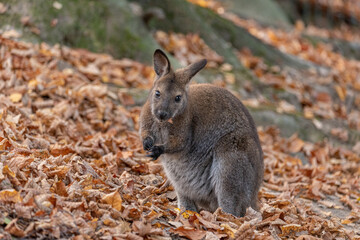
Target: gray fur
(211, 151)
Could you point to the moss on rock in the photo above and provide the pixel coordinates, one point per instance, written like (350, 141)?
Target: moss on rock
(101, 26)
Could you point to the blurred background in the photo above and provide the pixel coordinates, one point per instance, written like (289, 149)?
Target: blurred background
(294, 63)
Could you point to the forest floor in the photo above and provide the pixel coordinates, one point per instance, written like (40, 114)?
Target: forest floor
(72, 165)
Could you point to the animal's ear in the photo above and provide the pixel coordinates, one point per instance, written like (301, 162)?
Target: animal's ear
(190, 71)
(161, 63)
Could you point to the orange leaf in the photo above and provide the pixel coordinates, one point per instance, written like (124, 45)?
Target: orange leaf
(346, 221)
(315, 189)
(7, 171)
(308, 113)
(187, 213)
(15, 97)
(60, 188)
(14, 229)
(290, 229)
(109, 222)
(191, 233)
(229, 230)
(10, 195)
(323, 97)
(341, 91)
(114, 199)
(32, 83)
(61, 150)
(296, 145)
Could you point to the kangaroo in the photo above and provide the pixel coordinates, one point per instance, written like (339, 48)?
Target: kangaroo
(206, 138)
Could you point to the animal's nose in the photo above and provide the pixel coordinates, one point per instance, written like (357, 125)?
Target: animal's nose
(163, 115)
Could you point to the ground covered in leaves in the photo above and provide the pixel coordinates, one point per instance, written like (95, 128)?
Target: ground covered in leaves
(72, 165)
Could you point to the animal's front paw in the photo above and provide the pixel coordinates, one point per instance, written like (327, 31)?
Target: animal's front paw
(148, 143)
(156, 151)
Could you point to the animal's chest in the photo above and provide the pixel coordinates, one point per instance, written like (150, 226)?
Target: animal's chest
(162, 133)
(190, 177)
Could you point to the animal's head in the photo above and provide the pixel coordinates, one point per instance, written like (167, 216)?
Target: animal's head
(169, 96)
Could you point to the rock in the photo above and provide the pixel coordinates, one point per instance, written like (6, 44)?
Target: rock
(266, 12)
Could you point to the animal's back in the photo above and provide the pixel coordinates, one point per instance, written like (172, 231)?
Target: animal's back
(216, 112)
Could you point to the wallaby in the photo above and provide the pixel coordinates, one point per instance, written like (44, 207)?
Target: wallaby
(207, 140)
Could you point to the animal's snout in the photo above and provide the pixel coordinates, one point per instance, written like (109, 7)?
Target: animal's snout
(162, 115)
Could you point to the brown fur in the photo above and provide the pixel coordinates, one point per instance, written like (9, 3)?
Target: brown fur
(211, 151)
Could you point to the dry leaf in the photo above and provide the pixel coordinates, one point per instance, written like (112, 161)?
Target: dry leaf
(207, 224)
(307, 237)
(114, 199)
(285, 107)
(346, 221)
(15, 97)
(14, 229)
(11, 34)
(92, 91)
(228, 230)
(341, 91)
(290, 229)
(7, 171)
(60, 189)
(190, 233)
(296, 145)
(10, 195)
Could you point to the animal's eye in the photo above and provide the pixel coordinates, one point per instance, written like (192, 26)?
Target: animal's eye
(157, 94)
(178, 98)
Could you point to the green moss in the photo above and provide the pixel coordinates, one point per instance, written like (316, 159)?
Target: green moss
(80, 23)
(100, 26)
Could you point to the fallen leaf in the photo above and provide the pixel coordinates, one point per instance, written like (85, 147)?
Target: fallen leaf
(60, 188)
(11, 34)
(144, 229)
(114, 199)
(290, 229)
(14, 229)
(228, 230)
(326, 203)
(323, 97)
(341, 91)
(285, 107)
(307, 237)
(109, 222)
(295, 145)
(346, 221)
(207, 224)
(7, 171)
(10, 195)
(92, 91)
(15, 97)
(191, 233)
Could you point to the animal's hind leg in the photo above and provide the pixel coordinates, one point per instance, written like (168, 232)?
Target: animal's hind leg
(236, 185)
(187, 203)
